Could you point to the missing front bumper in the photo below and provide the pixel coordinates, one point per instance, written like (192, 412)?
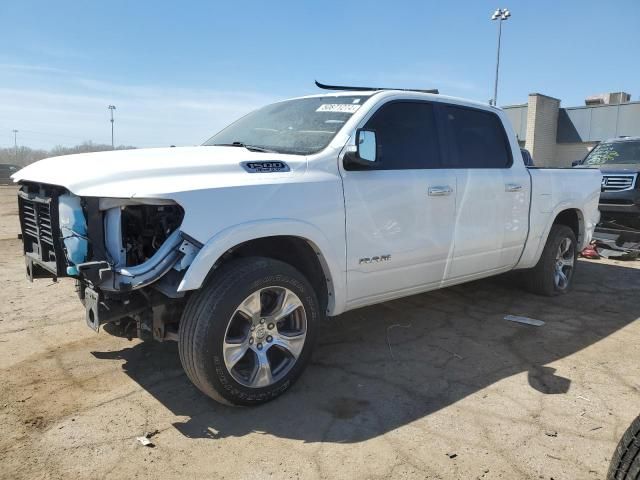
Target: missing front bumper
(100, 310)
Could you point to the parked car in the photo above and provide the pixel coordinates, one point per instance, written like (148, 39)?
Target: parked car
(619, 161)
(302, 209)
(6, 170)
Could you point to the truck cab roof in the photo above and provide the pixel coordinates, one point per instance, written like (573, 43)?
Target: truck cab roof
(412, 94)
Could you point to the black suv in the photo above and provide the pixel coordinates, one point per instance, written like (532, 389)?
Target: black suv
(619, 162)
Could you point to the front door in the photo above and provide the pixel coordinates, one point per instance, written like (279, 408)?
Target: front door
(399, 215)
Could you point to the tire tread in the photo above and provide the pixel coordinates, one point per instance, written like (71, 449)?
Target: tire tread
(194, 323)
(625, 464)
(539, 279)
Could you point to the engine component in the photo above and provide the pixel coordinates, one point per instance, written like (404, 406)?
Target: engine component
(145, 228)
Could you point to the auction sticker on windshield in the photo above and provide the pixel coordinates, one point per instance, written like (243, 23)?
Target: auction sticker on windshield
(338, 107)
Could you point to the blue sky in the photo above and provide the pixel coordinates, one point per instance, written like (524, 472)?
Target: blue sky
(179, 71)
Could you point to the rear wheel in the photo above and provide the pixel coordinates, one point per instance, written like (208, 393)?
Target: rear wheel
(553, 274)
(247, 335)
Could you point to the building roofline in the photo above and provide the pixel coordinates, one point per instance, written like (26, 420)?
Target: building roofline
(543, 95)
(519, 105)
(603, 105)
(621, 139)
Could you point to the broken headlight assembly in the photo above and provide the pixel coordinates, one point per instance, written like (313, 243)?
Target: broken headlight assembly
(128, 255)
(142, 243)
(143, 247)
(145, 228)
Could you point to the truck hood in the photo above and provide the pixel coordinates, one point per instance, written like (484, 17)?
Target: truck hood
(155, 172)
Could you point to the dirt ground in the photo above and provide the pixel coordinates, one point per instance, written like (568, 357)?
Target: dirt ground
(437, 385)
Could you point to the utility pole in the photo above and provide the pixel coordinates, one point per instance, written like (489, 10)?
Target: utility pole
(500, 14)
(111, 109)
(15, 143)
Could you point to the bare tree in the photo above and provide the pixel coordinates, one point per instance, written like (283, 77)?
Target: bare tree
(26, 155)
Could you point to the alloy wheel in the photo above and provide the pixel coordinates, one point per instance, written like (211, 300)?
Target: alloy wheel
(565, 259)
(265, 336)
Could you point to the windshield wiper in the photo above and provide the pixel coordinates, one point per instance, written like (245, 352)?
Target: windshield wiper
(253, 148)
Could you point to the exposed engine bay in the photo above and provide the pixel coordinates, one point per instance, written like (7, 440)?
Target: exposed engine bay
(127, 255)
(145, 228)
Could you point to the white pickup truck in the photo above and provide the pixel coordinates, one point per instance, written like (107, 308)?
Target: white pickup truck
(302, 209)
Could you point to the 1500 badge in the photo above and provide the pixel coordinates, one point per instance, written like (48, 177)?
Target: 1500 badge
(265, 167)
(380, 259)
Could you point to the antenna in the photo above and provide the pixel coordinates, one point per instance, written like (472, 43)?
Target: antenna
(350, 88)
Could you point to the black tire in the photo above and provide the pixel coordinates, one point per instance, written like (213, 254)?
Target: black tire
(209, 313)
(541, 279)
(625, 464)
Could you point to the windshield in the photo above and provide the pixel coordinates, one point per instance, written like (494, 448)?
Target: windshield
(303, 126)
(614, 152)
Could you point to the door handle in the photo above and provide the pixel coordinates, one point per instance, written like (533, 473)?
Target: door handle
(512, 187)
(440, 191)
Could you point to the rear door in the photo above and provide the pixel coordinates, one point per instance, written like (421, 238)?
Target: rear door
(399, 216)
(492, 203)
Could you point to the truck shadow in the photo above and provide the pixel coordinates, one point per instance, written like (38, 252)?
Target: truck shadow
(381, 367)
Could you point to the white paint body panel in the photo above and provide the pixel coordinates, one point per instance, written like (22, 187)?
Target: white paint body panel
(555, 190)
(390, 213)
(477, 231)
(491, 223)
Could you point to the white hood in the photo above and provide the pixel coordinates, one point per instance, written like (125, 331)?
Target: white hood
(154, 172)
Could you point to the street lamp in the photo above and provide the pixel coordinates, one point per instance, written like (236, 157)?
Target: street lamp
(111, 109)
(500, 14)
(15, 142)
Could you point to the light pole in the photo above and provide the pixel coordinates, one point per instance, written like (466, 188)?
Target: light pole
(500, 14)
(111, 109)
(15, 142)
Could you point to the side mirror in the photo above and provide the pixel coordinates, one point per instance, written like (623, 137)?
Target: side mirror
(575, 163)
(365, 156)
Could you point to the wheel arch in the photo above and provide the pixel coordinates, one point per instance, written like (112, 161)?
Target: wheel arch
(569, 215)
(295, 243)
(572, 218)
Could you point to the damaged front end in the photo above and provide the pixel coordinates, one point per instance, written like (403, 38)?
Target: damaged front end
(127, 255)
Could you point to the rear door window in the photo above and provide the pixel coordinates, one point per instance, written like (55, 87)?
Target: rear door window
(475, 139)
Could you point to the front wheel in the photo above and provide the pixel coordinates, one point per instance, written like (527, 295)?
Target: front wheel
(247, 335)
(553, 274)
